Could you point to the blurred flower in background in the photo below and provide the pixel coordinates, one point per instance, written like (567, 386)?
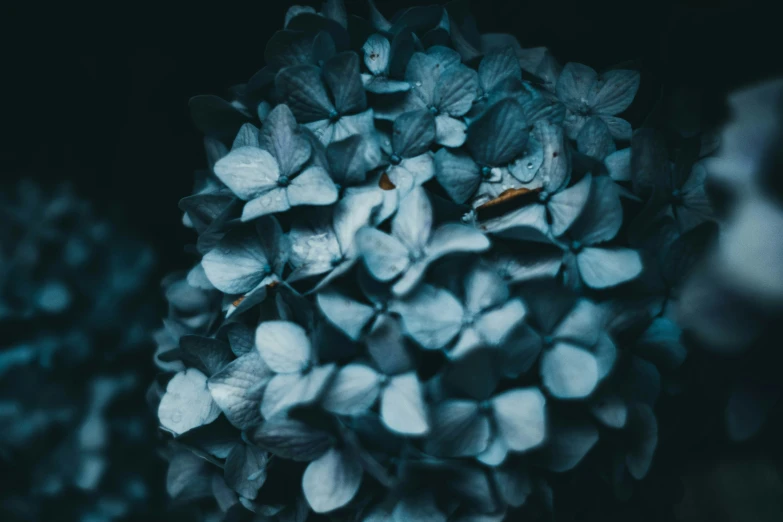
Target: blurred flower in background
(75, 315)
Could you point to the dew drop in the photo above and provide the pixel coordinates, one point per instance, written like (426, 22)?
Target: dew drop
(176, 417)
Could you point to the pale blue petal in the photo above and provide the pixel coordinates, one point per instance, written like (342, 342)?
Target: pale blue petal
(353, 390)
(521, 418)
(449, 131)
(566, 206)
(280, 135)
(403, 409)
(288, 390)
(271, 202)
(619, 164)
(312, 187)
(419, 169)
(569, 372)
(350, 316)
(377, 53)
(412, 223)
(495, 326)
(284, 346)
(605, 267)
(331, 481)
(385, 256)
(248, 171)
(431, 316)
(455, 238)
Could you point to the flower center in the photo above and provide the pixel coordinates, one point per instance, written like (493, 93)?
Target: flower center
(434, 110)
(486, 172)
(283, 181)
(267, 269)
(543, 196)
(379, 308)
(548, 341)
(576, 246)
(485, 407)
(334, 116)
(395, 159)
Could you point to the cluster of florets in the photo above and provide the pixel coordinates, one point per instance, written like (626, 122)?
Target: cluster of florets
(437, 269)
(73, 328)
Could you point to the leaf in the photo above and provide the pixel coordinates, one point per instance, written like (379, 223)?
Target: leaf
(245, 470)
(284, 346)
(352, 391)
(569, 372)
(238, 388)
(402, 406)
(521, 418)
(187, 403)
(331, 481)
(292, 439)
(459, 429)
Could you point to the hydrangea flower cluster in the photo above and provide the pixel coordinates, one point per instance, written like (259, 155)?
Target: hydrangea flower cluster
(437, 271)
(70, 308)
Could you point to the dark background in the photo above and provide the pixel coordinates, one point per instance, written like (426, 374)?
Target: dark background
(97, 94)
